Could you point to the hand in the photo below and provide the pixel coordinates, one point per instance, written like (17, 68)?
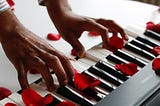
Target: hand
(72, 26)
(27, 51)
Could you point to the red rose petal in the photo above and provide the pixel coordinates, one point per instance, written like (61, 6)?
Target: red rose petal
(34, 71)
(4, 92)
(128, 69)
(31, 97)
(91, 33)
(47, 99)
(10, 104)
(156, 64)
(153, 27)
(73, 52)
(156, 50)
(115, 43)
(54, 37)
(65, 103)
(82, 81)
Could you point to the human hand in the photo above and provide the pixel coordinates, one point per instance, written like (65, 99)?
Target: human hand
(27, 51)
(71, 26)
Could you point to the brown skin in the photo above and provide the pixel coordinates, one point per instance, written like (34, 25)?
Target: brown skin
(71, 25)
(27, 51)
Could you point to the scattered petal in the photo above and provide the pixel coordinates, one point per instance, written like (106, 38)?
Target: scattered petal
(115, 43)
(32, 98)
(65, 103)
(91, 33)
(10, 104)
(54, 37)
(82, 81)
(156, 65)
(4, 92)
(73, 52)
(153, 27)
(127, 68)
(156, 50)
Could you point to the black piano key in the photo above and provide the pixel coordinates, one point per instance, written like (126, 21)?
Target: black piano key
(130, 58)
(112, 58)
(88, 91)
(141, 45)
(144, 40)
(139, 51)
(102, 74)
(152, 34)
(103, 85)
(111, 70)
(66, 92)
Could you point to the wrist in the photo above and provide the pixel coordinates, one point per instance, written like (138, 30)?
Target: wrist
(8, 23)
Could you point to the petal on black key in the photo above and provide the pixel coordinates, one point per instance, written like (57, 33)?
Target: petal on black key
(111, 70)
(103, 75)
(103, 85)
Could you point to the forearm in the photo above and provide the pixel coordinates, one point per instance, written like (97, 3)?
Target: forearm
(8, 23)
(57, 8)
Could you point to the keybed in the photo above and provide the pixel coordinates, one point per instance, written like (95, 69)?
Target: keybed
(99, 63)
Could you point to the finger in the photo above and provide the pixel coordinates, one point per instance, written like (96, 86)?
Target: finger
(40, 66)
(77, 46)
(54, 63)
(22, 74)
(92, 25)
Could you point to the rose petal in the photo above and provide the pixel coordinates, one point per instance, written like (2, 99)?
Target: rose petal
(48, 99)
(4, 92)
(91, 33)
(156, 64)
(54, 37)
(115, 43)
(156, 50)
(128, 69)
(31, 97)
(10, 104)
(82, 81)
(153, 27)
(73, 52)
(65, 103)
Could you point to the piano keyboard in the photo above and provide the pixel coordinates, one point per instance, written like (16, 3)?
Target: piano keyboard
(116, 88)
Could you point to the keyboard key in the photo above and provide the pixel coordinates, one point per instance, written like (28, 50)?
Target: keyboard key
(130, 58)
(139, 51)
(152, 34)
(104, 75)
(111, 70)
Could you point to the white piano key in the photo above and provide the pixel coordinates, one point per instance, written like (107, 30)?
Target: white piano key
(7, 100)
(17, 99)
(44, 92)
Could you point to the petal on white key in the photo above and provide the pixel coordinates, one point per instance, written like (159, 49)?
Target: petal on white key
(17, 99)
(44, 92)
(6, 100)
